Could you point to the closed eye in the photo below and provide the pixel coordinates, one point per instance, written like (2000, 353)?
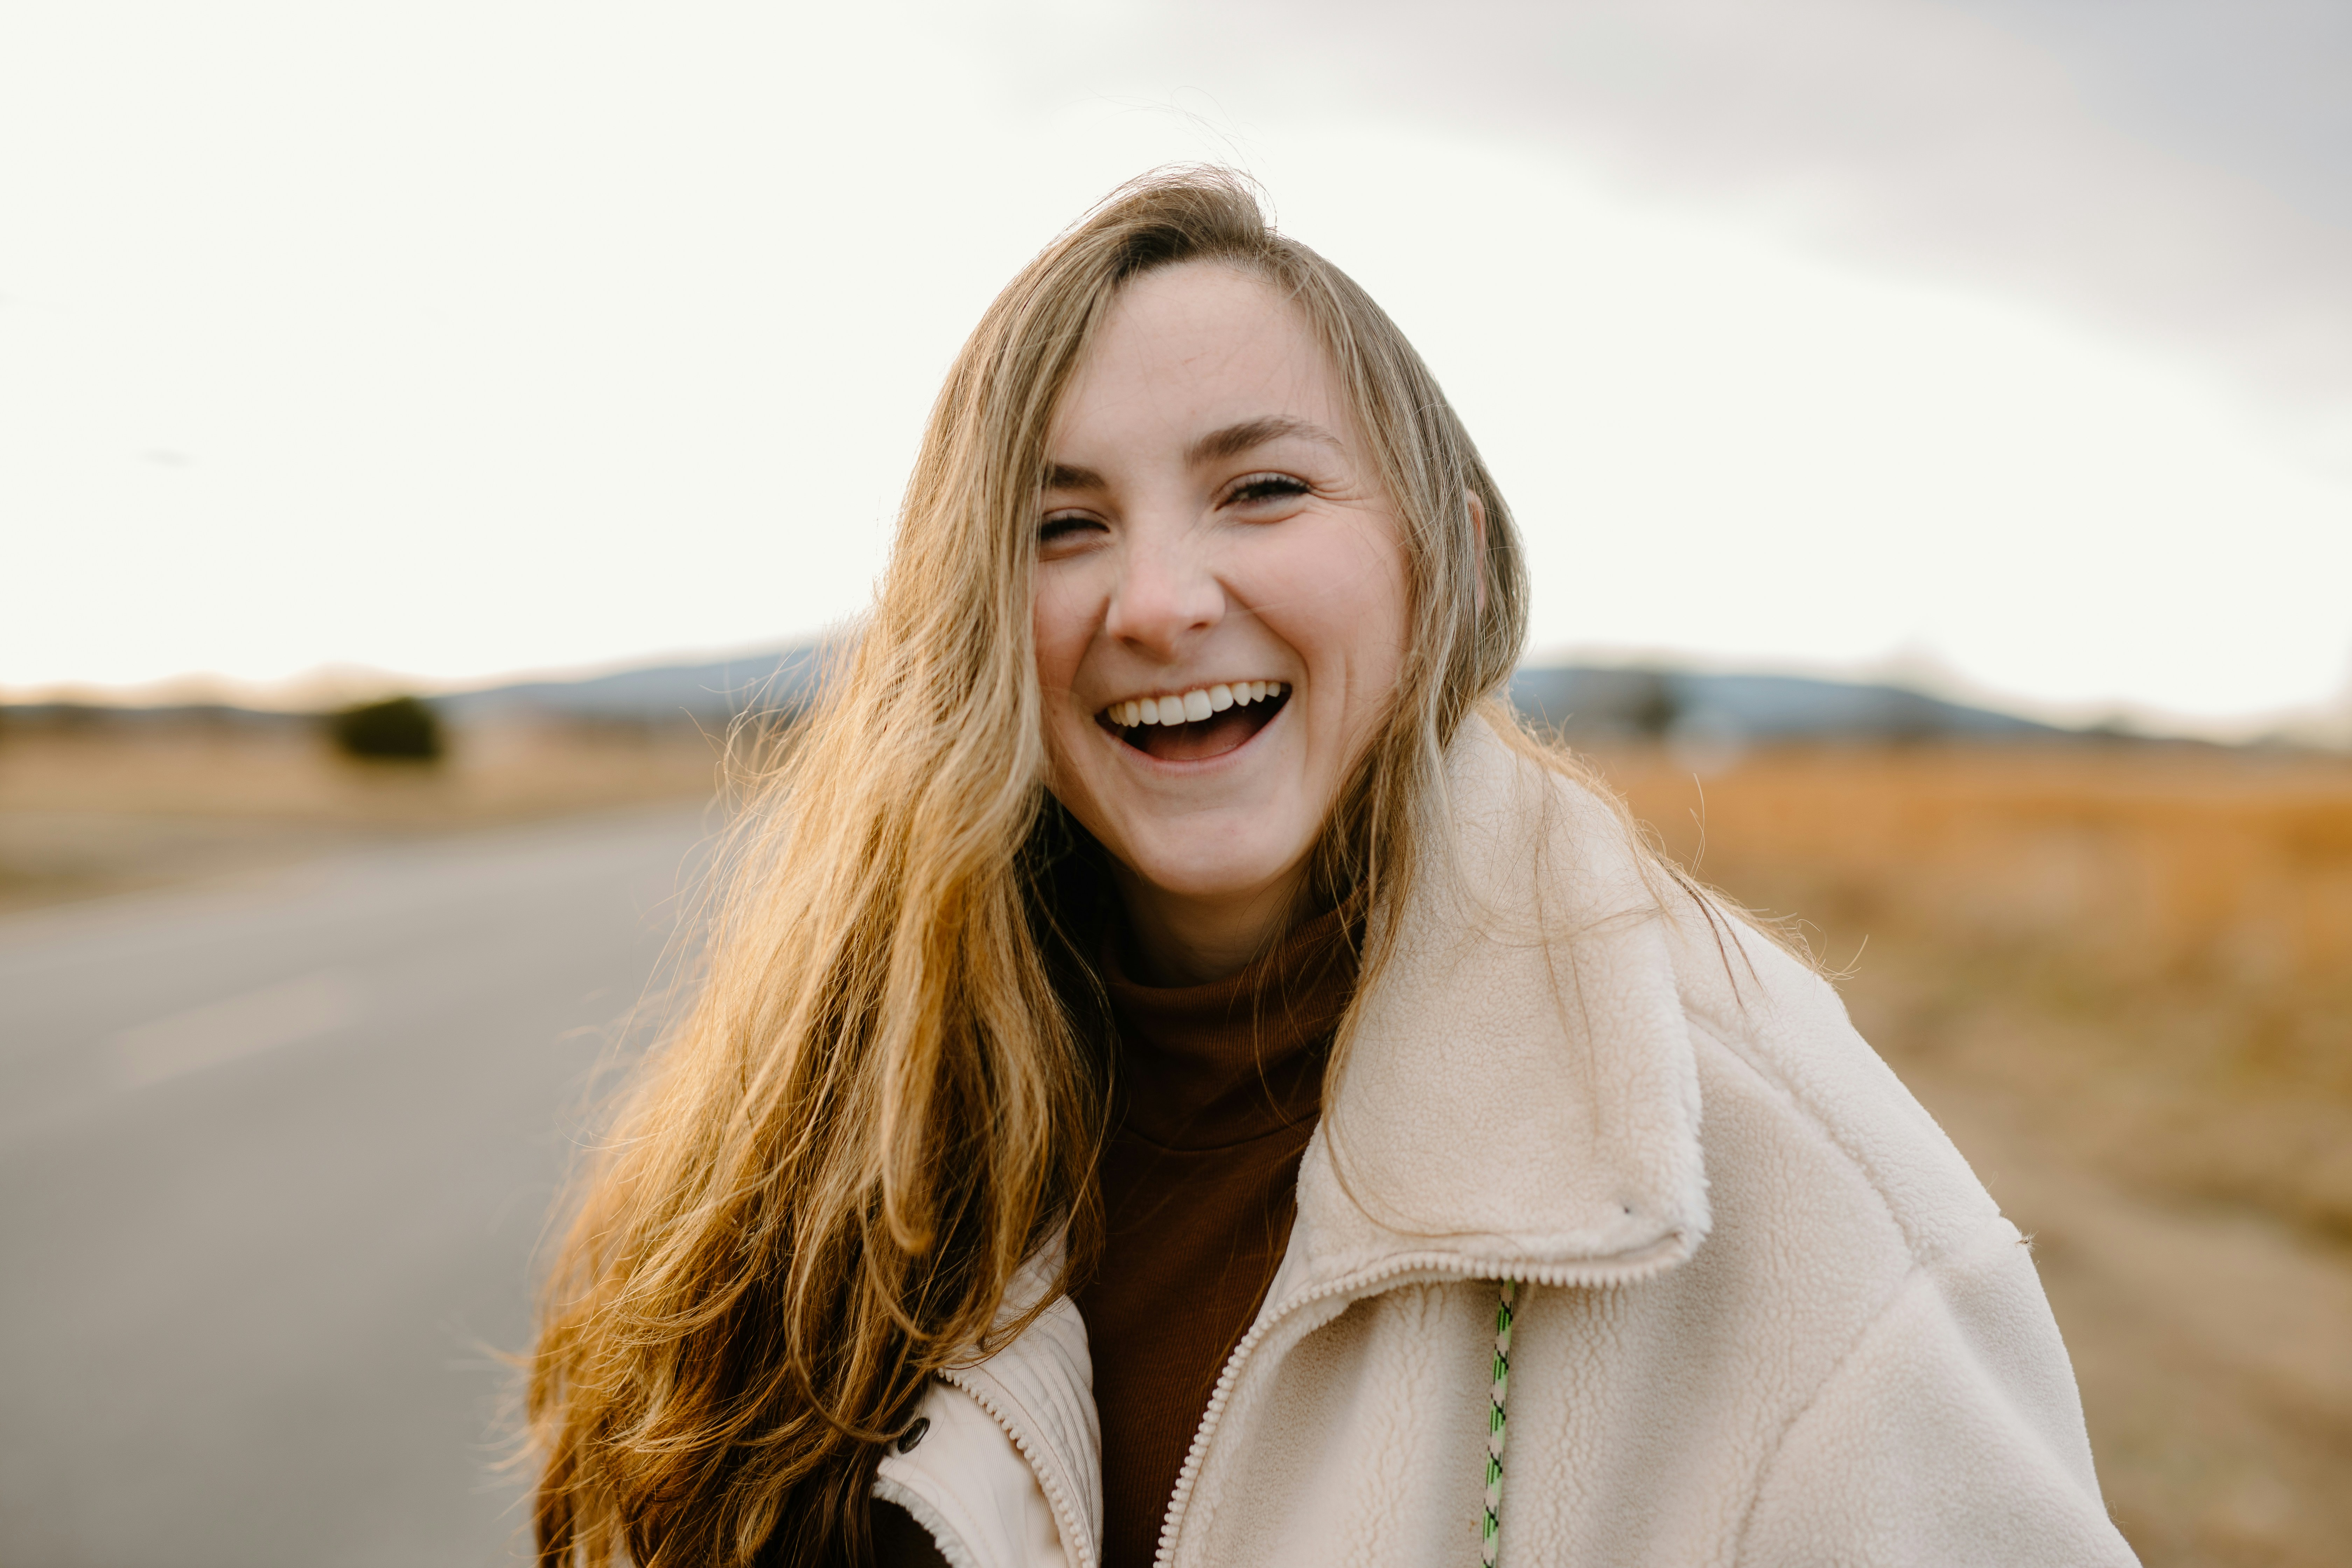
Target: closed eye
(1066, 529)
(1265, 487)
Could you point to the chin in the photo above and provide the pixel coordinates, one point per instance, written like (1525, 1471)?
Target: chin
(1210, 877)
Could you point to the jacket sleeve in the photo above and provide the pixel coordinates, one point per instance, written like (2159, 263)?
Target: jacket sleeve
(965, 1483)
(1950, 1433)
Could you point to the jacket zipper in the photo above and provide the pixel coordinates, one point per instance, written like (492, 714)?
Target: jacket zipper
(1395, 1273)
(1066, 1512)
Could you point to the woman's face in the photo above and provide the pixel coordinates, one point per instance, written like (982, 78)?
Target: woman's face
(1212, 524)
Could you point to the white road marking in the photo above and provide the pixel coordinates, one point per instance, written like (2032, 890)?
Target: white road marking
(285, 1013)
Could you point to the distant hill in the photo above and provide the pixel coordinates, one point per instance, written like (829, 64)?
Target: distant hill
(780, 681)
(1586, 700)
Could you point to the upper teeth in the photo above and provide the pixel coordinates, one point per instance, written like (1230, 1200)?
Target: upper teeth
(1196, 704)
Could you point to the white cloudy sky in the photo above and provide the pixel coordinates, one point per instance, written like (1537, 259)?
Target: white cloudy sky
(2007, 343)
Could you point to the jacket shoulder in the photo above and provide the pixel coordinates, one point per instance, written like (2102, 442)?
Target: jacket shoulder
(1767, 1010)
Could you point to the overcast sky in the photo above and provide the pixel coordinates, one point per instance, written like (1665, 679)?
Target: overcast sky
(2004, 345)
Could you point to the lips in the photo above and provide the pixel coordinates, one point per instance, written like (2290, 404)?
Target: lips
(1205, 722)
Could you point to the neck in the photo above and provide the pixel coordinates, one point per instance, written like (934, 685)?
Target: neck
(1184, 939)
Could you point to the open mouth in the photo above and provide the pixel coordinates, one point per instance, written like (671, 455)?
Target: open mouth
(1191, 726)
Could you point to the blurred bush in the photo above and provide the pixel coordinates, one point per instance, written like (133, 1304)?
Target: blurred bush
(399, 728)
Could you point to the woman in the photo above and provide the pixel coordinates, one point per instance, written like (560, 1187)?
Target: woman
(1167, 1015)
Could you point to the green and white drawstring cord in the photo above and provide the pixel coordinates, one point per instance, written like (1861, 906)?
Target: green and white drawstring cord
(1490, 1532)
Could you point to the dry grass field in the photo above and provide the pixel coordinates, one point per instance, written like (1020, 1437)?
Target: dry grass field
(2120, 975)
(2121, 978)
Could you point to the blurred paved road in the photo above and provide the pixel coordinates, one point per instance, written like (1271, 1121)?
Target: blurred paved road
(273, 1159)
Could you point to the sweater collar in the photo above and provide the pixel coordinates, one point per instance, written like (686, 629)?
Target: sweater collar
(1204, 1067)
(1516, 1092)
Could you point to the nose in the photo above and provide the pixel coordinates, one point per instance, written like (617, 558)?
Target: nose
(1166, 595)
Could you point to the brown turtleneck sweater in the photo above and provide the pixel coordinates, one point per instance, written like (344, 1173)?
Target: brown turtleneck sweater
(1218, 1089)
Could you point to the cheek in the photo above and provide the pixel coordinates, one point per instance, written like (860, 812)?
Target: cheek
(1061, 630)
(1354, 622)
(1058, 630)
(1383, 620)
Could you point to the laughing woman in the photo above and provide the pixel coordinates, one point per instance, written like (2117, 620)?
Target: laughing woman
(1167, 1018)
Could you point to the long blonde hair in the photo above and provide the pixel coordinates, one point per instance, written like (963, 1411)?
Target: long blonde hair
(886, 1097)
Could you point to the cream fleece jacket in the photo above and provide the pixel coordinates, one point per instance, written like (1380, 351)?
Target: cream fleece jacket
(1767, 1313)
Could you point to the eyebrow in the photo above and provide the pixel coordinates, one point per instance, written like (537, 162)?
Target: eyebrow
(1234, 439)
(1230, 442)
(1070, 477)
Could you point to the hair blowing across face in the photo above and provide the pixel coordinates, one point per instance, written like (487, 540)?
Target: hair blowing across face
(881, 1100)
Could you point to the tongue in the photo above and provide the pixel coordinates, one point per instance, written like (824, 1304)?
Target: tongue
(1210, 737)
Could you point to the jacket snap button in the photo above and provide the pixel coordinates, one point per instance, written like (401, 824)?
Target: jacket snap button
(914, 1435)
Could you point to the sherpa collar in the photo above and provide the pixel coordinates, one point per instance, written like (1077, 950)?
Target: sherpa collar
(1518, 1094)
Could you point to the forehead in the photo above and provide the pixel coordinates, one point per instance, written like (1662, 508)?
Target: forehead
(1197, 346)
